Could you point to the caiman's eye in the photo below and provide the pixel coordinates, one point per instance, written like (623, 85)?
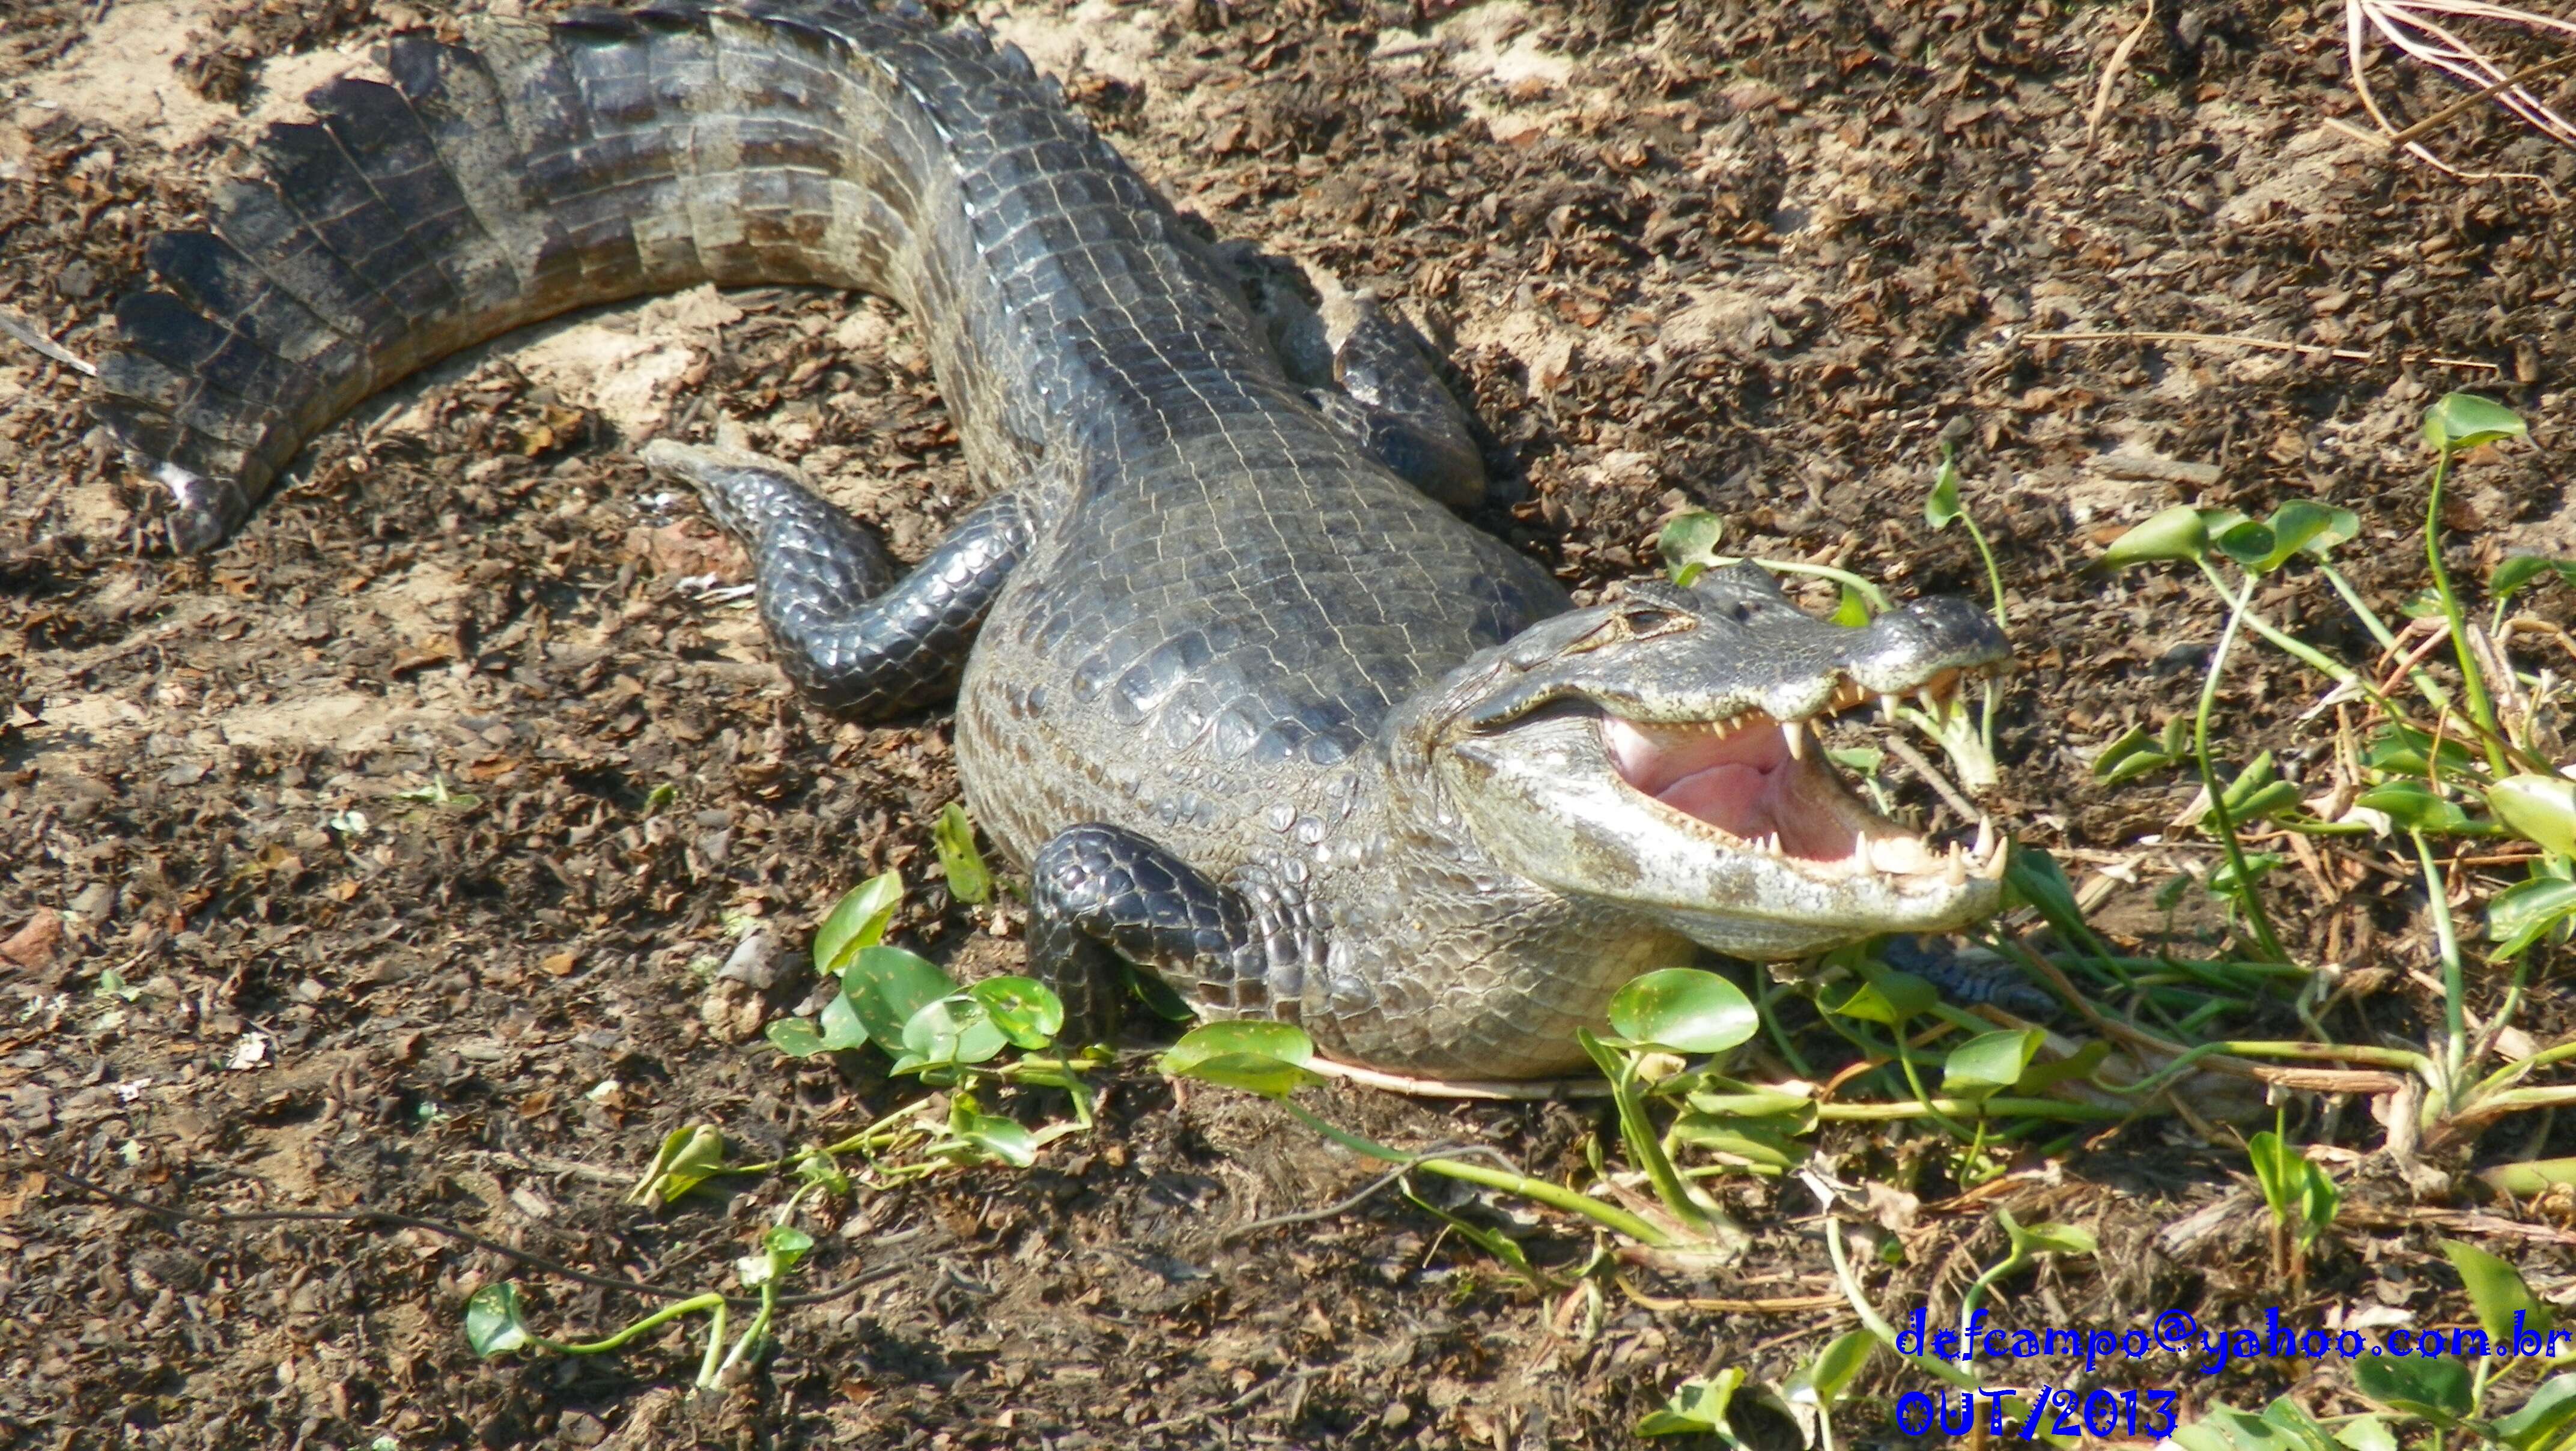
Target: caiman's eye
(1644, 621)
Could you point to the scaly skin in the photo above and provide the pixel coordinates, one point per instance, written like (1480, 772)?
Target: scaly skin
(1258, 713)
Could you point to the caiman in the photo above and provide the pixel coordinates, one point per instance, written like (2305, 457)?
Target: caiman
(1253, 708)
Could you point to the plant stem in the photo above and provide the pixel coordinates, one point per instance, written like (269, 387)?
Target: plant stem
(2048, 1108)
(2247, 893)
(708, 1363)
(1913, 1080)
(748, 1345)
(1867, 590)
(2455, 1011)
(1554, 1195)
(2472, 680)
(659, 1318)
(1995, 582)
(1638, 1130)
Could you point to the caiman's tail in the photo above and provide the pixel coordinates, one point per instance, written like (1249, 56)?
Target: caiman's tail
(535, 169)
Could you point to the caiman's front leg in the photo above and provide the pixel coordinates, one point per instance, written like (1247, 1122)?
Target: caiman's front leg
(858, 640)
(1100, 893)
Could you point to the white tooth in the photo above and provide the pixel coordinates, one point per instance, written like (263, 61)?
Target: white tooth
(1796, 732)
(1955, 872)
(1985, 837)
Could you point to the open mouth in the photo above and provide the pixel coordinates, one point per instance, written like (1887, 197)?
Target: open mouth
(1765, 785)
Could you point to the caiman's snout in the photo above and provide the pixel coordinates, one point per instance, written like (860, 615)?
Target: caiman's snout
(1660, 750)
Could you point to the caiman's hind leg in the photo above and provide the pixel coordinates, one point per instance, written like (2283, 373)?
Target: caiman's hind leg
(1100, 893)
(1366, 371)
(859, 639)
(1390, 398)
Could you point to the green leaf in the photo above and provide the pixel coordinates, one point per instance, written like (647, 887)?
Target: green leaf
(2543, 1420)
(780, 1249)
(2035, 877)
(1859, 760)
(796, 1037)
(1990, 1062)
(1942, 505)
(2498, 1293)
(1888, 996)
(954, 837)
(2175, 534)
(1763, 1148)
(884, 987)
(1258, 1057)
(2414, 807)
(2276, 1172)
(841, 1024)
(996, 1138)
(1696, 1406)
(2525, 912)
(2366, 1433)
(1683, 1009)
(2080, 1064)
(2405, 751)
(2319, 1202)
(2133, 754)
(2249, 544)
(951, 1030)
(2030, 1239)
(2531, 1177)
(2258, 865)
(2224, 1428)
(493, 1323)
(1492, 1241)
(690, 1155)
(821, 1170)
(2461, 421)
(2269, 801)
(2541, 809)
(2299, 1425)
(2437, 1390)
(1852, 611)
(1824, 1378)
(2519, 570)
(1027, 1011)
(2258, 791)
(858, 920)
(1689, 544)
(2300, 527)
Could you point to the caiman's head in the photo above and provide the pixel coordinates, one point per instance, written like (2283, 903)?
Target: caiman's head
(1659, 751)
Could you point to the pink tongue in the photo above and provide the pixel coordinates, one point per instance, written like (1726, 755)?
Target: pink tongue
(1734, 799)
(1751, 803)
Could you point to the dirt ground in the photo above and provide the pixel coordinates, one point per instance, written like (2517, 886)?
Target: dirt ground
(1744, 255)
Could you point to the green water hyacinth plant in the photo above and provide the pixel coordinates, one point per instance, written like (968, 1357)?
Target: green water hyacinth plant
(2444, 761)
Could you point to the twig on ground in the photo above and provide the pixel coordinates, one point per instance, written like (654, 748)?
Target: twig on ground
(1778, 1305)
(25, 332)
(1375, 1186)
(2415, 27)
(1969, 813)
(2118, 63)
(2527, 73)
(2238, 340)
